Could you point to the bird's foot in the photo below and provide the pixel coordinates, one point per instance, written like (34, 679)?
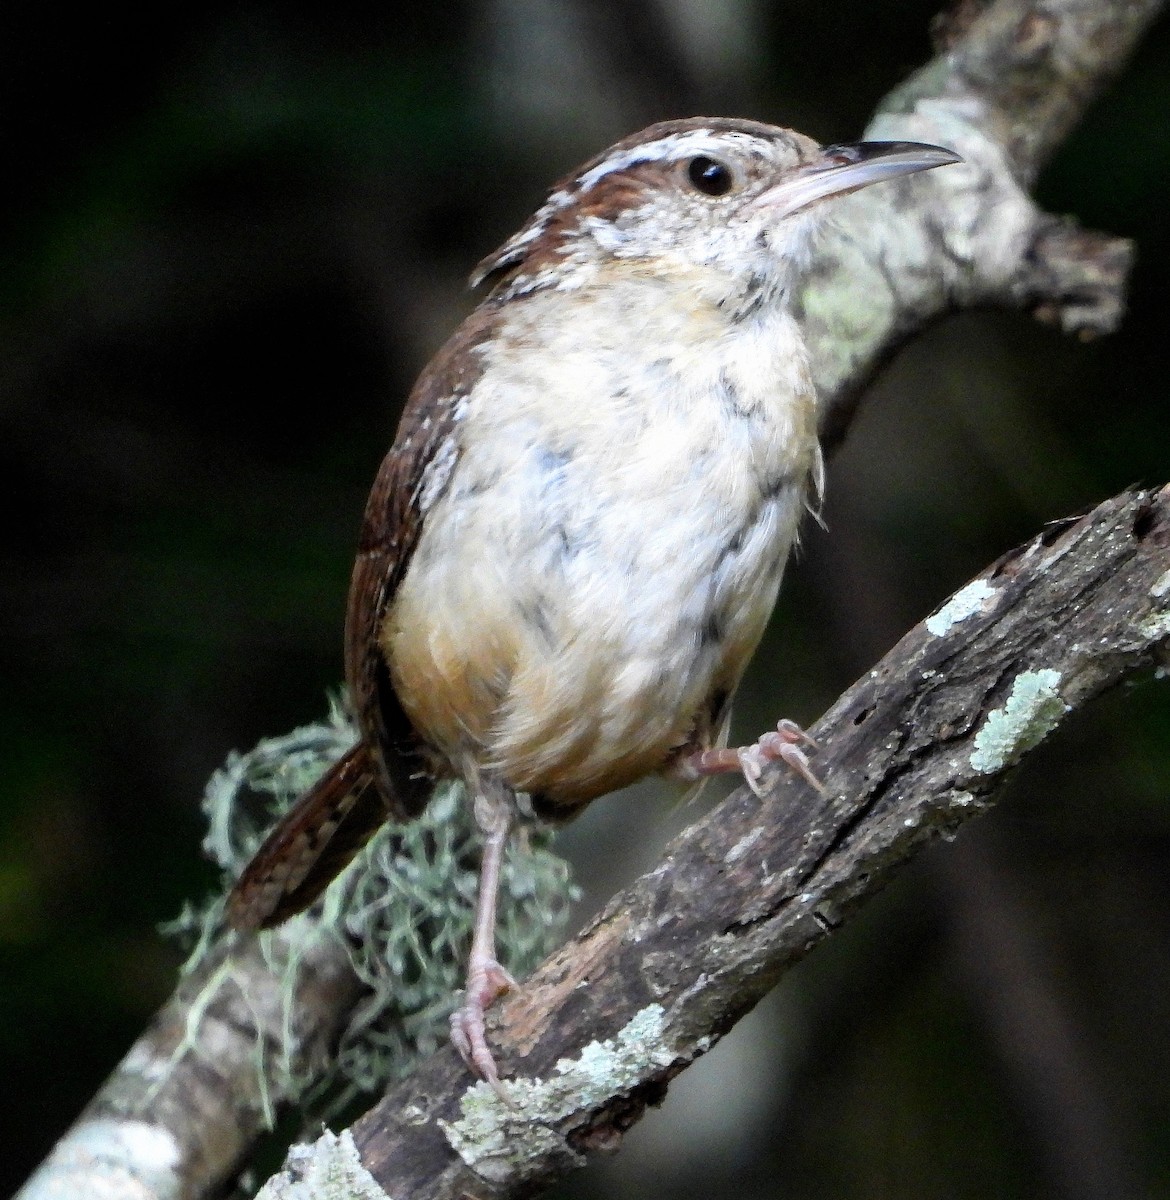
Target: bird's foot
(486, 980)
(783, 744)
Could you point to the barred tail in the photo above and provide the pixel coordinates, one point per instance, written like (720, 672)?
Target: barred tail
(310, 846)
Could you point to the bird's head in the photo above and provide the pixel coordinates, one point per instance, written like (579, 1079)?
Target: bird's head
(717, 194)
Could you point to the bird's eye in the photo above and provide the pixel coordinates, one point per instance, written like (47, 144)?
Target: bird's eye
(711, 177)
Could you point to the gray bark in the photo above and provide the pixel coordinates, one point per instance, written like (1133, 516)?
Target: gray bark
(911, 752)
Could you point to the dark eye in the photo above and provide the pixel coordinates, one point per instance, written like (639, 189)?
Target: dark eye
(710, 177)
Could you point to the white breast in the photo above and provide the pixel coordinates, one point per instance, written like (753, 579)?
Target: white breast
(609, 544)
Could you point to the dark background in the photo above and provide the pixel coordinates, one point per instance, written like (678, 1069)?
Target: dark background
(232, 235)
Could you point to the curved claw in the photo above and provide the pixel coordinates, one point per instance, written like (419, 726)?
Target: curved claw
(486, 981)
(782, 744)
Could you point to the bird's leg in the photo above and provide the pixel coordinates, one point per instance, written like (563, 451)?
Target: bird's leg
(486, 979)
(782, 744)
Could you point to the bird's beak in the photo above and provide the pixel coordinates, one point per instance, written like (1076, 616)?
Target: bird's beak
(841, 169)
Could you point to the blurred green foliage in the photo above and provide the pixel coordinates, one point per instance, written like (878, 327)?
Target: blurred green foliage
(233, 235)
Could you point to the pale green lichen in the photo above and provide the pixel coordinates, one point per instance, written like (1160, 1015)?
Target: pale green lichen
(966, 602)
(1032, 711)
(843, 319)
(403, 911)
(329, 1169)
(494, 1139)
(1155, 627)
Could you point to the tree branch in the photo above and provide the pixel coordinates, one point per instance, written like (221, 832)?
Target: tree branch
(916, 748)
(1012, 78)
(183, 1108)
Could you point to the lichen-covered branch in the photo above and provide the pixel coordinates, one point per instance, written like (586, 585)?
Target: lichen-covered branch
(1011, 79)
(913, 750)
(297, 1016)
(1033, 66)
(251, 1024)
(185, 1105)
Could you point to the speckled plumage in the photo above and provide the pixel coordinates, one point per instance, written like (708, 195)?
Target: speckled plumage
(636, 461)
(587, 589)
(573, 547)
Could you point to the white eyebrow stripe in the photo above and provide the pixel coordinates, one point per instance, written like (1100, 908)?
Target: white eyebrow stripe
(675, 145)
(767, 145)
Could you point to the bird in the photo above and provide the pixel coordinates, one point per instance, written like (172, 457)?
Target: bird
(572, 548)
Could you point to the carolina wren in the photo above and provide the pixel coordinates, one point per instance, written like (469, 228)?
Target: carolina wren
(573, 546)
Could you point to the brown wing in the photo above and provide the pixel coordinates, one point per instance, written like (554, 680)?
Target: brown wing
(388, 772)
(412, 476)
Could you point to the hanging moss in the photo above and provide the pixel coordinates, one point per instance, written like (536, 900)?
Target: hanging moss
(403, 910)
